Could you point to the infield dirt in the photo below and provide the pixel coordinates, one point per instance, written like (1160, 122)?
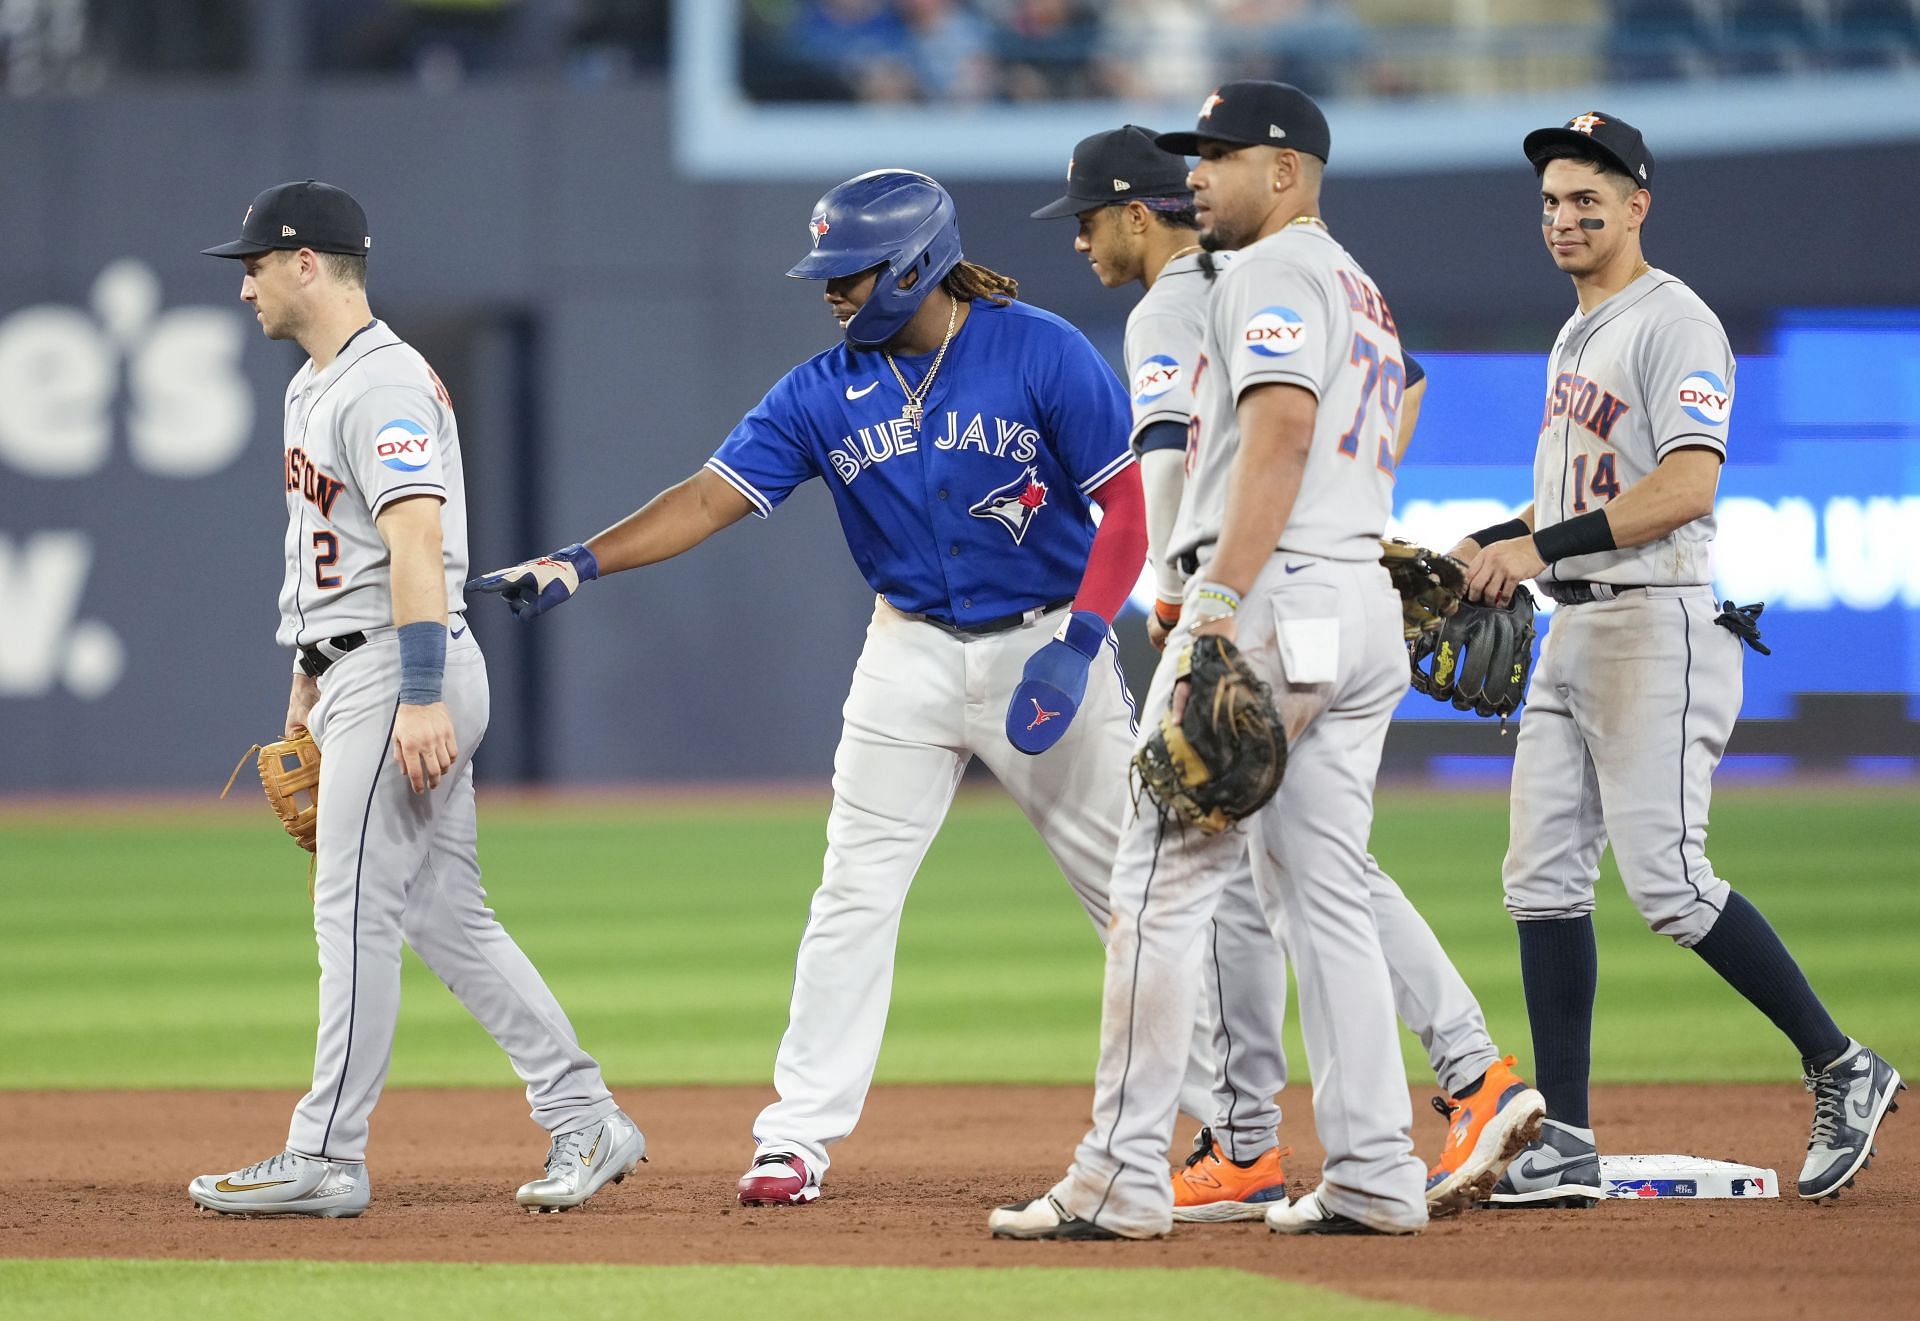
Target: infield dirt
(103, 1174)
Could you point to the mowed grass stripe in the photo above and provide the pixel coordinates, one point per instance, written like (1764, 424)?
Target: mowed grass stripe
(145, 954)
(192, 1291)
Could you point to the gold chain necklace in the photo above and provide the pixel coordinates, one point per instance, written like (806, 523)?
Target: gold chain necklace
(1174, 257)
(912, 411)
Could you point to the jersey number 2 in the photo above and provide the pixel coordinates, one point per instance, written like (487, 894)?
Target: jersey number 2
(326, 554)
(1390, 378)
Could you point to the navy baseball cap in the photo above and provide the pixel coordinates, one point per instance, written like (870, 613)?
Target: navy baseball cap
(1118, 166)
(291, 216)
(1611, 139)
(1253, 113)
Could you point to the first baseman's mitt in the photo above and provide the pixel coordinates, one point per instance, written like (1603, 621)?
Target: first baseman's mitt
(1430, 584)
(1223, 760)
(1480, 657)
(290, 774)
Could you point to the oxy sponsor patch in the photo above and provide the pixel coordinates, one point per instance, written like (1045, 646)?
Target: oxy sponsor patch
(1156, 376)
(1706, 399)
(1274, 332)
(403, 445)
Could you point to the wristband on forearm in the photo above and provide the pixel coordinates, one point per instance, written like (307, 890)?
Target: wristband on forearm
(1588, 534)
(1211, 600)
(1508, 531)
(423, 661)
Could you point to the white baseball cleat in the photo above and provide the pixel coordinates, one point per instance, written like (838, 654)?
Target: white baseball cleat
(288, 1184)
(582, 1162)
(1306, 1215)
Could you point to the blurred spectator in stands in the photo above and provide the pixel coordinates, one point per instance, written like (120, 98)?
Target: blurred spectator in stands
(612, 40)
(1317, 45)
(1156, 50)
(441, 43)
(1045, 48)
(950, 52)
(45, 47)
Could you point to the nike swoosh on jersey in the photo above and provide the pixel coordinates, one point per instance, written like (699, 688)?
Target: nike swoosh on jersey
(460, 632)
(1295, 568)
(862, 393)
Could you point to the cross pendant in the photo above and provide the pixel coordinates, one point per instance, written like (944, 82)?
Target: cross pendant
(911, 413)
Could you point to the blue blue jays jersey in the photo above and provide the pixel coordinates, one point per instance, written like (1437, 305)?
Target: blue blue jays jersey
(980, 512)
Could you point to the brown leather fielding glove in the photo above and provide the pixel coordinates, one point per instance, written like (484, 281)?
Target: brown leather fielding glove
(1430, 585)
(1224, 760)
(290, 774)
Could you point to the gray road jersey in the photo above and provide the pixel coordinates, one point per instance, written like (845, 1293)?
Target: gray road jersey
(1164, 332)
(374, 427)
(1296, 309)
(1646, 372)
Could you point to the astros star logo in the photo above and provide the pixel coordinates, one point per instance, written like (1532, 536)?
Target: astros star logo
(1040, 714)
(1586, 123)
(1206, 107)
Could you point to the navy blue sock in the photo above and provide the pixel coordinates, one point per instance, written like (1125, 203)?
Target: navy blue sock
(1744, 949)
(1560, 970)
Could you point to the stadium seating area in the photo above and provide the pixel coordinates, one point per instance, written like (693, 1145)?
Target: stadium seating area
(968, 51)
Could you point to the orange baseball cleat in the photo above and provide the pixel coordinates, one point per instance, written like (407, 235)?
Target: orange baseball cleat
(1485, 1132)
(1209, 1187)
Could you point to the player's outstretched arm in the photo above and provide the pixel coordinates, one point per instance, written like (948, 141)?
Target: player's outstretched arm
(673, 522)
(676, 520)
(423, 737)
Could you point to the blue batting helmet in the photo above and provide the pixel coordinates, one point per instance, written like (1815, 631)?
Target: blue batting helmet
(897, 218)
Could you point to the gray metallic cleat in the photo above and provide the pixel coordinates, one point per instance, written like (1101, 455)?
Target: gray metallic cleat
(1562, 1169)
(286, 1185)
(1851, 1097)
(582, 1162)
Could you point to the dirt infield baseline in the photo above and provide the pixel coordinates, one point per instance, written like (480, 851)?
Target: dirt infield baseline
(103, 1174)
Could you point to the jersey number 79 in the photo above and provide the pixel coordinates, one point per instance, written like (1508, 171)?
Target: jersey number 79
(1389, 378)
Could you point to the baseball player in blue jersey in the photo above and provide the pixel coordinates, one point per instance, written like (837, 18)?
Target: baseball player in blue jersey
(1137, 223)
(1637, 689)
(965, 439)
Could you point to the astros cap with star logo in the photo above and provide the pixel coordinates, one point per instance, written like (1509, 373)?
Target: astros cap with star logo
(1253, 113)
(1605, 135)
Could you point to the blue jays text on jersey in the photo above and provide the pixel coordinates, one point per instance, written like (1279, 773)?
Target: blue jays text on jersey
(984, 510)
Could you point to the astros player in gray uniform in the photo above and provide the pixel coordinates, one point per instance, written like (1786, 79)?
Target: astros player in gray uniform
(1296, 395)
(1637, 689)
(1136, 222)
(394, 690)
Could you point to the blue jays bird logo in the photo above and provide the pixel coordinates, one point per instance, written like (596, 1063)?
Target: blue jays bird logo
(1014, 505)
(818, 227)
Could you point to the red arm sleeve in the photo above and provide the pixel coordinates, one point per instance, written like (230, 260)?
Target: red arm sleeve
(1119, 546)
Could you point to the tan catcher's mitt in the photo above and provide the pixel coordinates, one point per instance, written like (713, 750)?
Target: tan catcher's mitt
(1430, 585)
(1223, 760)
(290, 773)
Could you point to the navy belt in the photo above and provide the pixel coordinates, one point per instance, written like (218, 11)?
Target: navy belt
(318, 657)
(1000, 625)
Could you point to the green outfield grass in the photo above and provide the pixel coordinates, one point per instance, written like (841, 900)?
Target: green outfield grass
(192, 1291)
(143, 953)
